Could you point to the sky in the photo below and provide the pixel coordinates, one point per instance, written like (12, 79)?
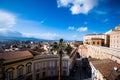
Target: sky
(55, 19)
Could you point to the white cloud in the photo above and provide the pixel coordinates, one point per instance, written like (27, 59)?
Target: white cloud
(78, 6)
(51, 36)
(74, 36)
(71, 27)
(10, 33)
(101, 12)
(82, 29)
(64, 3)
(106, 20)
(7, 20)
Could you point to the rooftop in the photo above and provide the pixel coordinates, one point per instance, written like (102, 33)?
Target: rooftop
(15, 55)
(105, 66)
(97, 39)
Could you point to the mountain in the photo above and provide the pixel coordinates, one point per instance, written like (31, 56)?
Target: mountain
(17, 38)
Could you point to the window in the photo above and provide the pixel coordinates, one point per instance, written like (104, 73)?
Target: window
(52, 64)
(37, 76)
(20, 72)
(43, 74)
(28, 69)
(37, 67)
(43, 65)
(64, 73)
(64, 64)
(10, 75)
(97, 42)
(93, 42)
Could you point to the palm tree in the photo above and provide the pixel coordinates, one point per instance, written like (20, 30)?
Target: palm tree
(59, 48)
(60, 57)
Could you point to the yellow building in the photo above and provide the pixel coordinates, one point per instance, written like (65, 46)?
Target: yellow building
(96, 39)
(16, 65)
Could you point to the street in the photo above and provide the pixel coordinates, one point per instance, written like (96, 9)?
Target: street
(80, 72)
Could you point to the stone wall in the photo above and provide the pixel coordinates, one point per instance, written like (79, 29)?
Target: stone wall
(103, 53)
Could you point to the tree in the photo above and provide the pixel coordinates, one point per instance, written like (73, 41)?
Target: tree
(59, 47)
(68, 49)
(60, 55)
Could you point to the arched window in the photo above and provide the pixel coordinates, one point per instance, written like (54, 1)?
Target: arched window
(28, 67)
(20, 71)
(9, 73)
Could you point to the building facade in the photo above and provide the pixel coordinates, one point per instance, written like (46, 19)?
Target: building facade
(16, 65)
(115, 38)
(96, 39)
(44, 66)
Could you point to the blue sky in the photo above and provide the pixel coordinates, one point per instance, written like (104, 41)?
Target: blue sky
(54, 19)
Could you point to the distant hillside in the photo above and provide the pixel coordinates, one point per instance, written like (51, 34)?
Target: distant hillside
(17, 38)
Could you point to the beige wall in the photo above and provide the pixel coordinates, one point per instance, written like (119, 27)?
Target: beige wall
(102, 36)
(48, 70)
(103, 53)
(115, 40)
(15, 65)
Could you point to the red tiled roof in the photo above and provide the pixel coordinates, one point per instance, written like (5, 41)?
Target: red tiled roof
(14, 55)
(105, 66)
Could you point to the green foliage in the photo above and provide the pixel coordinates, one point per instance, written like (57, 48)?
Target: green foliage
(68, 49)
(60, 47)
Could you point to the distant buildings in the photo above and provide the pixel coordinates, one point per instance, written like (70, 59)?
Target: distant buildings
(110, 39)
(33, 64)
(96, 39)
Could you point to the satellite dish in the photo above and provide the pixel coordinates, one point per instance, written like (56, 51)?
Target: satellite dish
(115, 68)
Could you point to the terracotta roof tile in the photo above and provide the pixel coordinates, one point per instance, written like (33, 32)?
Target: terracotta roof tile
(106, 67)
(16, 54)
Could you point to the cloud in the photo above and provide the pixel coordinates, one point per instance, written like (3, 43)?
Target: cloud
(74, 36)
(101, 12)
(7, 20)
(50, 36)
(106, 20)
(82, 29)
(78, 6)
(71, 28)
(10, 33)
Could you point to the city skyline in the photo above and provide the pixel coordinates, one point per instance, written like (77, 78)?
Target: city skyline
(55, 19)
